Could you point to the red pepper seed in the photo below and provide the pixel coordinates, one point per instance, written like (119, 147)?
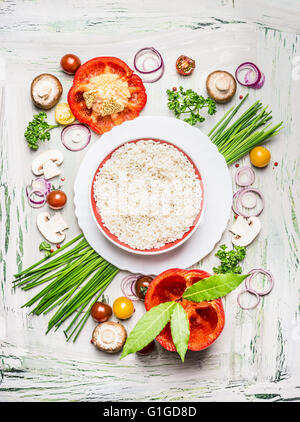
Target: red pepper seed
(51, 250)
(241, 97)
(237, 165)
(58, 246)
(235, 216)
(62, 179)
(174, 88)
(275, 164)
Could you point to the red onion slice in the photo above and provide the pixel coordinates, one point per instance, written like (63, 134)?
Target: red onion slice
(253, 273)
(240, 175)
(71, 143)
(33, 203)
(142, 61)
(252, 292)
(237, 198)
(258, 84)
(254, 69)
(150, 53)
(127, 286)
(41, 184)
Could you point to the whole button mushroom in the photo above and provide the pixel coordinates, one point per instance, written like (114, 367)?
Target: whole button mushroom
(221, 86)
(109, 336)
(46, 91)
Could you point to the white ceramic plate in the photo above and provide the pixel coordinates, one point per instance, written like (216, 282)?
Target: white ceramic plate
(212, 167)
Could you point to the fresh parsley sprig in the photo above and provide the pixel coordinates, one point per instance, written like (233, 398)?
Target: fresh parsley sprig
(38, 130)
(190, 103)
(230, 260)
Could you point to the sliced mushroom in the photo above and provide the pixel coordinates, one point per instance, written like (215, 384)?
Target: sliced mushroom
(46, 91)
(52, 228)
(245, 230)
(47, 162)
(221, 86)
(109, 336)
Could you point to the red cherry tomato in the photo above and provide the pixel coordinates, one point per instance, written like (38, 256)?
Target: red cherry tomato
(56, 199)
(184, 65)
(70, 63)
(101, 312)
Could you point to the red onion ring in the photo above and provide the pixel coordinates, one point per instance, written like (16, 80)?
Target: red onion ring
(33, 203)
(157, 72)
(244, 170)
(127, 286)
(236, 200)
(253, 68)
(252, 292)
(143, 52)
(85, 129)
(40, 183)
(258, 84)
(253, 273)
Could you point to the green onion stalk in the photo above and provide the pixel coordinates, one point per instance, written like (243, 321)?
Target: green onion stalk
(236, 140)
(74, 280)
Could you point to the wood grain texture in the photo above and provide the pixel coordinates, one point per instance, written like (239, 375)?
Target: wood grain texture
(256, 358)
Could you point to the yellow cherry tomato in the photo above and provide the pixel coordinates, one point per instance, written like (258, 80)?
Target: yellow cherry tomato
(260, 156)
(123, 307)
(63, 114)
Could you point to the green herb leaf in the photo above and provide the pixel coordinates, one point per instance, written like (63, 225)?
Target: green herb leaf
(148, 327)
(213, 287)
(45, 246)
(230, 259)
(180, 330)
(38, 130)
(190, 103)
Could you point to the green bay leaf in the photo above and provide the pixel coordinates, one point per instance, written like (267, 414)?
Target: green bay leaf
(180, 330)
(148, 327)
(213, 287)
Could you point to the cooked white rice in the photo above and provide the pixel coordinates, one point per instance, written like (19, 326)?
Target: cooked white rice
(147, 194)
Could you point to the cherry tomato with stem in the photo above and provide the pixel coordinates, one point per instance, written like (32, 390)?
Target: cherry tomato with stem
(101, 312)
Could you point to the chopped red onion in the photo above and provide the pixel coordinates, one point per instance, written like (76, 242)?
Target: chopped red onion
(240, 176)
(253, 273)
(252, 292)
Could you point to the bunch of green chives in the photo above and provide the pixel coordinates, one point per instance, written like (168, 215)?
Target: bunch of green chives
(240, 137)
(75, 280)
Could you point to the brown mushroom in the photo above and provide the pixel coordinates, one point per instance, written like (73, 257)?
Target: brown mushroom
(46, 91)
(221, 86)
(109, 336)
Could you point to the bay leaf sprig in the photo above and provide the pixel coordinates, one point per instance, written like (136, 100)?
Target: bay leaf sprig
(148, 327)
(180, 330)
(213, 287)
(155, 320)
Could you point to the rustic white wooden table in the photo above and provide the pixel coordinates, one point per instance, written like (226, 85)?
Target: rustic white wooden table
(257, 356)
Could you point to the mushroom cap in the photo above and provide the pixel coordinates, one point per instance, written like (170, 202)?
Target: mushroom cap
(52, 154)
(46, 91)
(109, 336)
(221, 86)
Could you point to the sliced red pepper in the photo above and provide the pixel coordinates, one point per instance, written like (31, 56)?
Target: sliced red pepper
(185, 66)
(96, 67)
(206, 319)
